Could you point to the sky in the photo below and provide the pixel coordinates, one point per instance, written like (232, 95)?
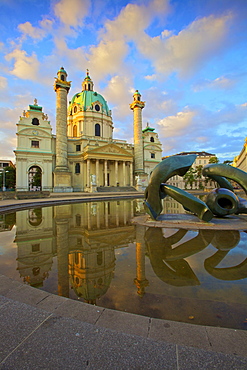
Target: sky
(187, 58)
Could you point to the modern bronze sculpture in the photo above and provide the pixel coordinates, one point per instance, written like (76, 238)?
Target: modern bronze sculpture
(220, 202)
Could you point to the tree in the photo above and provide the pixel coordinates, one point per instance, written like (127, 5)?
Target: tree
(189, 177)
(227, 162)
(213, 160)
(36, 181)
(10, 177)
(198, 175)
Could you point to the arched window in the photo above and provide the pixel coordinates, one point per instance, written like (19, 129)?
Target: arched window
(74, 131)
(35, 122)
(138, 98)
(34, 178)
(89, 87)
(62, 77)
(152, 139)
(77, 168)
(97, 129)
(75, 109)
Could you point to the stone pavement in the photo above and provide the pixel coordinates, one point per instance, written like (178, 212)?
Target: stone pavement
(39, 330)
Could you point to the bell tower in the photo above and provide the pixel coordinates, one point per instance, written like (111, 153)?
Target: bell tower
(62, 176)
(137, 105)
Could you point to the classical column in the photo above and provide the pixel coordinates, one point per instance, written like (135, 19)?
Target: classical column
(116, 172)
(97, 172)
(62, 226)
(124, 174)
(89, 216)
(141, 282)
(131, 174)
(62, 176)
(117, 215)
(124, 212)
(98, 216)
(105, 165)
(88, 173)
(106, 214)
(137, 107)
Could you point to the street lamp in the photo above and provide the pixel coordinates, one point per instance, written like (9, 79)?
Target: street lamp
(4, 172)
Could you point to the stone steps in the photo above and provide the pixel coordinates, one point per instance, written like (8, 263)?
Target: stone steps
(115, 189)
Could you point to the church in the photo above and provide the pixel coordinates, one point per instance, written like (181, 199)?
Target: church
(83, 155)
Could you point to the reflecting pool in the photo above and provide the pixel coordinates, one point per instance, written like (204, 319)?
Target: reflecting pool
(93, 253)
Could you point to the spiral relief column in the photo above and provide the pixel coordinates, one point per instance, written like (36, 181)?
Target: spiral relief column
(137, 105)
(62, 175)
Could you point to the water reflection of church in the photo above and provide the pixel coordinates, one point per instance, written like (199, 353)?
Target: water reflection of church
(83, 236)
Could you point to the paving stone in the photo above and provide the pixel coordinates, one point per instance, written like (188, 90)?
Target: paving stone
(62, 343)
(7, 285)
(179, 333)
(17, 322)
(51, 302)
(228, 340)
(194, 359)
(123, 322)
(79, 310)
(26, 294)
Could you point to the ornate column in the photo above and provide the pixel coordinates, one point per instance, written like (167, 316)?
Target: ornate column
(62, 175)
(116, 172)
(140, 281)
(131, 174)
(88, 173)
(88, 216)
(137, 107)
(124, 174)
(105, 171)
(106, 214)
(97, 172)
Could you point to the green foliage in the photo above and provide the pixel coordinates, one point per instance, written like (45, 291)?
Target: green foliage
(228, 162)
(190, 177)
(213, 160)
(36, 181)
(10, 177)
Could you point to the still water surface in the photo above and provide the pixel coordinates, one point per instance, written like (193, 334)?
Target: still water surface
(91, 252)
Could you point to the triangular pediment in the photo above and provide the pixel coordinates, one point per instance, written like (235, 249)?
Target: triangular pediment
(110, 149)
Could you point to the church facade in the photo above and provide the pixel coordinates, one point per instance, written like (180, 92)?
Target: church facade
(83, 155)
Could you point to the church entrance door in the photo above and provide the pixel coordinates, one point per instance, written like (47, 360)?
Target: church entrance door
(35, 178)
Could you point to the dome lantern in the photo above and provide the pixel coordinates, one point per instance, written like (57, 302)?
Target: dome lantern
(87, 84)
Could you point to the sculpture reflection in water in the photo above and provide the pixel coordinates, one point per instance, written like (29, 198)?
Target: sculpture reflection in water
(220, 202)
(85, 239)
(169, 263)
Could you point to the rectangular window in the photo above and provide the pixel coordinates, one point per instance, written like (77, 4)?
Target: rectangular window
(34, 144)
(77, 168)
(78, 147)
(152, 155)
(35, 247)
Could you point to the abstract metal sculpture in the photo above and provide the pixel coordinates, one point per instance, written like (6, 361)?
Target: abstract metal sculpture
(220, 202)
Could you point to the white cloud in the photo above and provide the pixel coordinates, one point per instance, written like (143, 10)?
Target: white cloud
(177, 124)
(25, 67)
(222, 83)
(118, 93)
(3, 83)
(189, 49)
(71, 12)
(38, 33)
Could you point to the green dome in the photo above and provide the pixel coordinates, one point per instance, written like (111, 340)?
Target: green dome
(87, 99)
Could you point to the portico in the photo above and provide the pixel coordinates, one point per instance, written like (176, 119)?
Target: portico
(108, 165)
